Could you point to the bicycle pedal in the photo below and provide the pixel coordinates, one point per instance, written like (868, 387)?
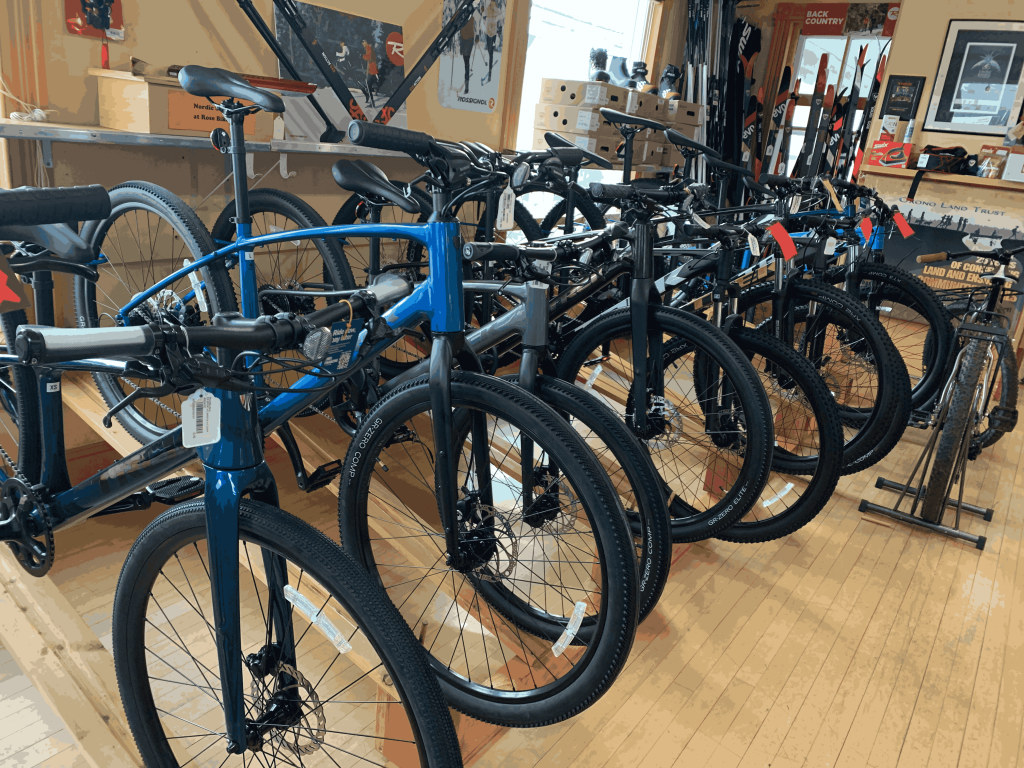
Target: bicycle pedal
(919, 419)
(323, 475)
(1003, 419)
(175, 490)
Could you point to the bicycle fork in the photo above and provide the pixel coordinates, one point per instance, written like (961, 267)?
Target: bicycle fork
(235, 467)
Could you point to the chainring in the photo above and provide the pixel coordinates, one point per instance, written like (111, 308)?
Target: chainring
(34, 547)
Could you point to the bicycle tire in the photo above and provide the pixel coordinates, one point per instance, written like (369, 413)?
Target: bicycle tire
(152, 421)
(1009, 387)
(269, 529)
(795, 383)
(872, 431)
(20, 406)
(689, 522)
(584, 206)
(962, 406)
(628, 464)
(924, 350)
(597, 652)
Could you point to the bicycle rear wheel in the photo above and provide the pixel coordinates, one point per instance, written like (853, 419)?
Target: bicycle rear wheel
(146, 238)
(714, 467)
(539, 622)
(960, 422)
(364, 697)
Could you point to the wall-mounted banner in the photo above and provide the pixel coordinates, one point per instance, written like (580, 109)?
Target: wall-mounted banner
(836, 19)
(368, 54)
(470, 67)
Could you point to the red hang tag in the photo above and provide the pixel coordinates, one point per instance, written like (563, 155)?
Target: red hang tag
(785, 242)
(866, 229)
(902, 226)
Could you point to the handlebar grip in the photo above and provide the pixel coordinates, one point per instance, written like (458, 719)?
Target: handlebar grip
(779, 181)
(728, 168)
(364, 134)
(928, 258)
(612, 191)
(490, 252)
(28, 206)
(42, 345)
(759, 189)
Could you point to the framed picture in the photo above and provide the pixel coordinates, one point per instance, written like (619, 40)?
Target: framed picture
(902, 95)
(978, 86)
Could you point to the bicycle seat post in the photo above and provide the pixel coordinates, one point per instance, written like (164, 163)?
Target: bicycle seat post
(235, 114)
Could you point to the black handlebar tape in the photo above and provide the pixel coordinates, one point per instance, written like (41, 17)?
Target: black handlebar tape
(721, 165)
(612, 191)
(683, 141)
(29, 206)
(41, 344)
(490, 252)
(364, 134)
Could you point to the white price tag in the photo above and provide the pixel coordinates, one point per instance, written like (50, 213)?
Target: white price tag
(506, 210)
(830, 246)
(632, 102)
(699, 221)
(200, 419)
(540, 266)
(794, 205)
(586, 120)
(198, 288)
(755, 247)
(922, 161)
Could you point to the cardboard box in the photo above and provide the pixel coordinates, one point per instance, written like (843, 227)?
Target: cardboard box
(578, 93)
(583, 120)
(1013, 170)
(158, 105)
(648, 105)
(685, 113)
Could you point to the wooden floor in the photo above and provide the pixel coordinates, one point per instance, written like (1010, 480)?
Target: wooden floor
(856, 641)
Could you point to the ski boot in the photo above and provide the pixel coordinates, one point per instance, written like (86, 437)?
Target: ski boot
(619, 74)
(669, 82)
(599, 65)
(639, 76)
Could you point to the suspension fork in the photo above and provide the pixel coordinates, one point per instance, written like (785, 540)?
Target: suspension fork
(643, 297)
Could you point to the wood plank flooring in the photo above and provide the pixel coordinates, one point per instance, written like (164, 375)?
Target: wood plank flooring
(856, 641)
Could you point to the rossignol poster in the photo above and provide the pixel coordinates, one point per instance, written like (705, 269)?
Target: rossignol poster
(470, 67)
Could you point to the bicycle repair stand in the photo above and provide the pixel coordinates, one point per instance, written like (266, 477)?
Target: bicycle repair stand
(967, 332)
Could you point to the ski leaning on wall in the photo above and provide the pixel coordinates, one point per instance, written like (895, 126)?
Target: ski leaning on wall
(813, 118)
(774, 143)
(869, 113)
(782, 156)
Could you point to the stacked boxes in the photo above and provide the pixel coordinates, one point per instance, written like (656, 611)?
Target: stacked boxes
(572, 108)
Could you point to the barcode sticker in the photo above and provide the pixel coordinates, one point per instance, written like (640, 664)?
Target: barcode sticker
(587, 121)
(506, 210)
(596, 94)
(794, 204)
(200, 419)
(632, 102)
(755, 247)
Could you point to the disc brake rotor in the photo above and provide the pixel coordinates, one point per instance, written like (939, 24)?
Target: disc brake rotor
(301, 738)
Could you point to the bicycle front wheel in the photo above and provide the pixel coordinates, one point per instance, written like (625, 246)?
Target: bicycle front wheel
(709, 434)
(538, 621)
(346, 686)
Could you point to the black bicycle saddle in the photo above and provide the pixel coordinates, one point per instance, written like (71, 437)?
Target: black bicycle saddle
(209, 81)
(367, 179)
(557, 141)
(682, 141)
(621, 118)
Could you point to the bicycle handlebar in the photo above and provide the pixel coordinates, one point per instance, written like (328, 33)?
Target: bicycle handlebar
(365, 134)
(29, 206)
(627, 192)
(778, 181)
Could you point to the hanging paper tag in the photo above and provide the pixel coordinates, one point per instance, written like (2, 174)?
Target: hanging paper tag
(830, 246)
(831, 193)
(781, 236)
(571, 628)
(794, 204)
(699, 221)
(200, 419)
(272, 228)
(866, 229)
(198, 288)
(316, 617)
(344, 337)
(755, 247)
(902, 225)
(506, 210)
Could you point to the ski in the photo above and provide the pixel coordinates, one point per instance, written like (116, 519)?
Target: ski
(844, 154)
(833, 143)
(782, 154)
(758, 145)
(817, 100)
(748, 134)
(869, 113)
(821, 138)
(778, 119)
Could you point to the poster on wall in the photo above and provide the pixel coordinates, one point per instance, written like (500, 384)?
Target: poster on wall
(101, 19)
(368, 54)
(470, 67)
(978, 85)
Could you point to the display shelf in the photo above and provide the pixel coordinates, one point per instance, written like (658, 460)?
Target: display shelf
(47, 133)
(943, 178)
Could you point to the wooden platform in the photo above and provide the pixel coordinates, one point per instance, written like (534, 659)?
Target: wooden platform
(854, 642)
